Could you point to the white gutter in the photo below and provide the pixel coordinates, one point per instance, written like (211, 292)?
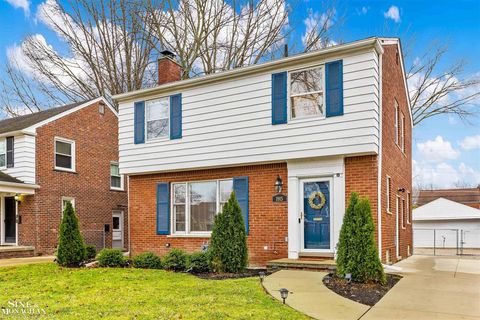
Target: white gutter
(380, 154)
(242, 71)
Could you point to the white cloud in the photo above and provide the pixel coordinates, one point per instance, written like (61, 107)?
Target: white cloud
(362, 10)
(21, 4)
(443, 175)
(470, 142)
(315, 22)
(393, 13)
(437, 150)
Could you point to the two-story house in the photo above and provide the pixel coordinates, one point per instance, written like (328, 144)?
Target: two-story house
(292, 137)
(48, 158)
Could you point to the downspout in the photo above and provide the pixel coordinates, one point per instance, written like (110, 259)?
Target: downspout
(380, 155)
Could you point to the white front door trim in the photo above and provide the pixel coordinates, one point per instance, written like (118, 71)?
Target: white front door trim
(316, 168)
(118, 234)
(2, 222)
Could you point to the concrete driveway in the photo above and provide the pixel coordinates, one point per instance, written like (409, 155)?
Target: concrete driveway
(433, 288)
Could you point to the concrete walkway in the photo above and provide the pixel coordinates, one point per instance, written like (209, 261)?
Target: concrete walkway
(311, 297)
(441, 288)
(21, 261)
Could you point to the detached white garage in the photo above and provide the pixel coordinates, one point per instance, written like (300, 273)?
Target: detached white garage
(445, 224)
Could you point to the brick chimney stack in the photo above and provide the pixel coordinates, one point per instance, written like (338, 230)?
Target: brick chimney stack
(168, 68)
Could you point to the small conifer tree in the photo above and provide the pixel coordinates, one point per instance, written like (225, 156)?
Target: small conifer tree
(71, 248)
(228, 247)
(357, 252)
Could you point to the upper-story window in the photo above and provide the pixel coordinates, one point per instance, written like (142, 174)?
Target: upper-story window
(388, 187)
(157, 118)
(195, 205)
(64, 154)
(3, 153)
(116, 180)
(402, 133)
(306, 93)
(396, 122)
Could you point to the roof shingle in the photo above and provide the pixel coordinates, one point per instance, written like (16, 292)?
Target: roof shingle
(23, 122)
(8, 178)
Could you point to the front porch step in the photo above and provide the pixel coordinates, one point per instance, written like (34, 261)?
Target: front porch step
(7, 252)
(302, 264)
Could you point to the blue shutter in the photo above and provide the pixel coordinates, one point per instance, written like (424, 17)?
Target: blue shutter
(334, 88)
(279, 98)
(163, 208)
(240, 187)
(176, 116)
(139, 122)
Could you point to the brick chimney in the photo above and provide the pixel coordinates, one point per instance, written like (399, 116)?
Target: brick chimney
(168, 68)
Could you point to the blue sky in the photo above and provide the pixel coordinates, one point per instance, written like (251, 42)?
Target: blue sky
(445, 149)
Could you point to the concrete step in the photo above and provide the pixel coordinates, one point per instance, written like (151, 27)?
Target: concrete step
(7, 252)
(302, 264)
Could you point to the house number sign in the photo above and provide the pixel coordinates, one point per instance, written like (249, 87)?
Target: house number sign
(279, 198)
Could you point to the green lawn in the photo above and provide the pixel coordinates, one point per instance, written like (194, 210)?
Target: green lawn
(136, 294)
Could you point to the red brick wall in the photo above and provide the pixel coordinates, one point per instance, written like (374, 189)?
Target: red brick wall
(268, 221)
(361, 177)
(395, 163)
(96, 145)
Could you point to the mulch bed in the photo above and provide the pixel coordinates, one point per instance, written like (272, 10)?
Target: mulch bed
(365, 293)
(222, 276)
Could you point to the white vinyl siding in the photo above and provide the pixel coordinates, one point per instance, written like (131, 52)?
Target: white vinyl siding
(24, 159)
(230, 123)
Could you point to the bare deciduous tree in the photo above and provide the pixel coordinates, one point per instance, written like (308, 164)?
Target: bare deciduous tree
(434, 91)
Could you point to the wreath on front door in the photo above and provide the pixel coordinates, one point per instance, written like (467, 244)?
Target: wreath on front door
(316, 195)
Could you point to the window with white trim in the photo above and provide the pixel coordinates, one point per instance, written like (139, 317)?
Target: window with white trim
(388, 186)
(396, 122)
(157, 118)
(116, 179)
(66, 200)
(402, 133)
(409, 217)
(3, 153)
(64, 154)
(306, 93)
(195, 204)
(404, 218)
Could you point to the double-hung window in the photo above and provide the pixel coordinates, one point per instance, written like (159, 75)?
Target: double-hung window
(402, 133)
(306, 93)
(3, 153)
(396, 122)
(404, 217)
(64, 154)
(388, 187)
(66, 200)
(116, 180)
(195, 204)
(157, 118)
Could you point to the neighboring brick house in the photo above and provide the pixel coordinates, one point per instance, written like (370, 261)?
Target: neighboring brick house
(320, 125)
(68, 153)
(467, 196)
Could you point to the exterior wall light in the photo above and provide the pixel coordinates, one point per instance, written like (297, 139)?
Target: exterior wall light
(261, 274)
(401, 189)
(284, 294)
(278, 184)
(18, 198)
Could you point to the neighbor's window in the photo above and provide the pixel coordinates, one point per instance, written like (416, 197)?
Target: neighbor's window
(409, 218)
(306, 93)
(66, 200)
(195, 205)
(3, 153)
(404, 217)
(116, 180)
(388, 186)
(396, 122)
(64, 154)
(157, 118)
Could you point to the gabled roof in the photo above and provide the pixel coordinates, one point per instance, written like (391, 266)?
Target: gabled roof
(444, 209)
(467, 196)
(23, 122)
(8, 178)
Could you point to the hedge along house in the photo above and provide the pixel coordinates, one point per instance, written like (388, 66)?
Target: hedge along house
(293, 138)
(59, 155)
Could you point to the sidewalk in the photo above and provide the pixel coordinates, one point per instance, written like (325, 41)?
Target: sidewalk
(22, 261)
(309, 296)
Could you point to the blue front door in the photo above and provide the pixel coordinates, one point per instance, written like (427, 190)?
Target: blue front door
(316, 223)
